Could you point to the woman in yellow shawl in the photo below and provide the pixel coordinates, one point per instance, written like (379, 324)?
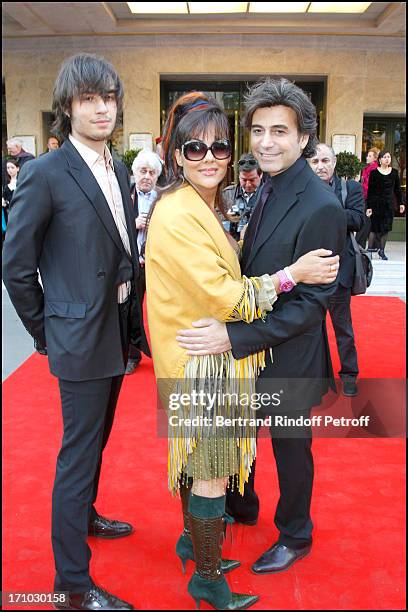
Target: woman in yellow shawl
(192, 271)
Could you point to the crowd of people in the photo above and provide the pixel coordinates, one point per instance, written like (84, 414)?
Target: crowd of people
(238, 281)
(16, 157)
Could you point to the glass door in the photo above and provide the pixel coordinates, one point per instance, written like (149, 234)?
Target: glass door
(230, 95)
(387, 133)
(4, 134)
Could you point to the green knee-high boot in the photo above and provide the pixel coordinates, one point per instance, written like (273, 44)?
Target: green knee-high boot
(208, 581)
(184, 546)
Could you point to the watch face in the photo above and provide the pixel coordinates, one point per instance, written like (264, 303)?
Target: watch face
(287, 286)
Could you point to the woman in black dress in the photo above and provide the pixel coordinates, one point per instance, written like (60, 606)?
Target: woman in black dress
(12, 168)
(384, 190)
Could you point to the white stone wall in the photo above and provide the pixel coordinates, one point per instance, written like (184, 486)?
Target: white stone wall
(361, 77)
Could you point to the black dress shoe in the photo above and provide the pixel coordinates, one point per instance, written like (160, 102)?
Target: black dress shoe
(279, 558)
(132, 365)
(101, 527)
(94, 599)
(350, 387)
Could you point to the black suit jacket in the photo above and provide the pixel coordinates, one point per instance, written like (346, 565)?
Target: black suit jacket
(135, 201)
(61, 224)
(354, 209)
(306, 216)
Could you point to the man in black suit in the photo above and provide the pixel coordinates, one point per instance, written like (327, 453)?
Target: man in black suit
(323, 163)
(73, 221)
(146, 169)
(296, 213)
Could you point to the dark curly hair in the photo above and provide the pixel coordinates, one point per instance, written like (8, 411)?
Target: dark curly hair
(79, 74)
(281, 92)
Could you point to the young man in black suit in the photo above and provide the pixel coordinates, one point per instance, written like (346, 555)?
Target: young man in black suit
(323, 163)
(73, 220)
(296, 213)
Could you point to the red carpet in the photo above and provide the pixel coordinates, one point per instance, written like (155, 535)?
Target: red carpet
(357, 561)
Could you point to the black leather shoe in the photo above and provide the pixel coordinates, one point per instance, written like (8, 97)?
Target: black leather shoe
(94, 599)
(350, 387)
(132, 365)
(102, 527)
(279, 558)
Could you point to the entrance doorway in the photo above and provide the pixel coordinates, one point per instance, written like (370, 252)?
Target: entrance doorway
(4, 134)
(48, 119)
(230, 95)
(387, 133)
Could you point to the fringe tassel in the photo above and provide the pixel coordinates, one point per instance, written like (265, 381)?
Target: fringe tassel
(219, 374)
(247, 309)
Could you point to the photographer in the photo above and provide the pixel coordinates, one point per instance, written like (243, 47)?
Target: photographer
(240, 199)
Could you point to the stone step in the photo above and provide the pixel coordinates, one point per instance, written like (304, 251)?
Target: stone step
(385, 293)
(389, 269)
(392, 278)
(377, 290)
(384, 281)
(389, 277)
(390, 262)
(395, 273)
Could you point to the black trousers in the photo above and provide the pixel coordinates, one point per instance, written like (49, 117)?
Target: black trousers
(292, 449)
(88, 410)
(134, 350)
(340, 313)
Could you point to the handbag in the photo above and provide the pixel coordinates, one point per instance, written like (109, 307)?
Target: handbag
(363, 268)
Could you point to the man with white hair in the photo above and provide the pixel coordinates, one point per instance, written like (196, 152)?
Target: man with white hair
(146, 169)
(323, 163)
(15, 150)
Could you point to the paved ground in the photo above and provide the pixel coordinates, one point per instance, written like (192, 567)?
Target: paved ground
(18, 345)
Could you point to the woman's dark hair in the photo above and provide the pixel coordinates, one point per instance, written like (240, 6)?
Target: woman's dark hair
(191, 116)
(15, 162)
(281, 92)
(79, 74)
(381, 155)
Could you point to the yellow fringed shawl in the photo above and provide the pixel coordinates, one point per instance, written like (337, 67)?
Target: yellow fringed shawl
(192, 272)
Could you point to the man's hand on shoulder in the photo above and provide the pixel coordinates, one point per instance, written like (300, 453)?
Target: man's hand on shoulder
(209, 337)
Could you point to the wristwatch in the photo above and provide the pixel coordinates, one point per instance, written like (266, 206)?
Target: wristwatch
(286, 282)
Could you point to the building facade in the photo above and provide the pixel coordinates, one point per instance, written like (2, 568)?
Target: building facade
(357, 81)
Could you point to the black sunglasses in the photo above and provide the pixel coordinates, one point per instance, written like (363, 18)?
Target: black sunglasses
(196, 150)
(247, 162)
